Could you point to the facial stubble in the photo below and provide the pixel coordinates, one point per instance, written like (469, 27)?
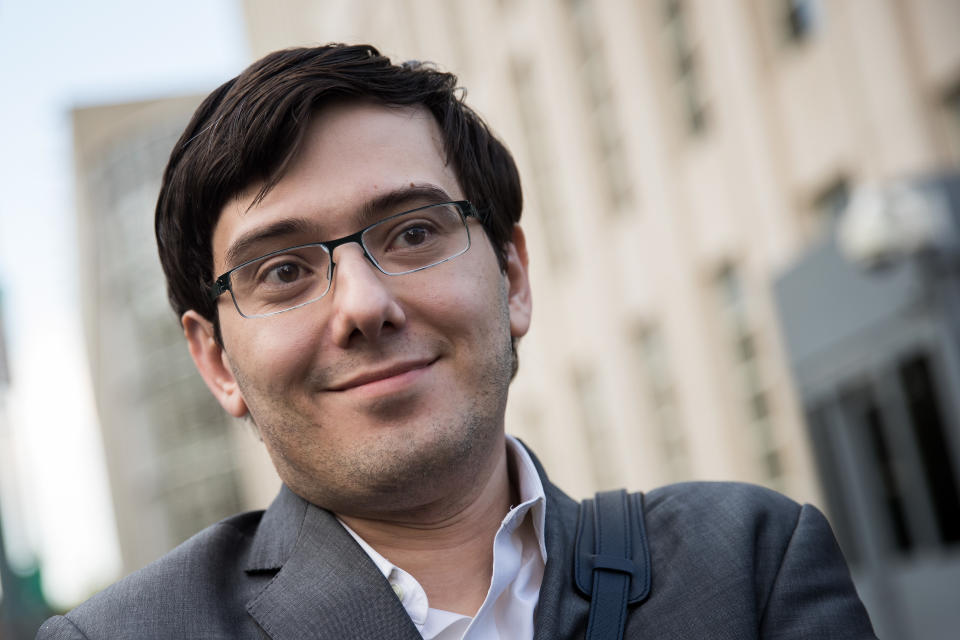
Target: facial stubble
(407, 466)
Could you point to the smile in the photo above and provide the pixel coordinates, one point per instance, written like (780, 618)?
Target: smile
(387, 379)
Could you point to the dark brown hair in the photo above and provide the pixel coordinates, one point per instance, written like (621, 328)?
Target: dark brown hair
(249, 130)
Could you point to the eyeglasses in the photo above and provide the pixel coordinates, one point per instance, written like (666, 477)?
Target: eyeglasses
(296, 276)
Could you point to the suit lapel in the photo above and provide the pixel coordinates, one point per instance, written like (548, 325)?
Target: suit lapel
(326, 586)
(561, 611)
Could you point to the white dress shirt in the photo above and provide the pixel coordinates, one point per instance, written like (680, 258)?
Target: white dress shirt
(519, 556)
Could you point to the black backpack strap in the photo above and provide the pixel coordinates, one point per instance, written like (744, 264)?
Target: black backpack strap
(612, 563)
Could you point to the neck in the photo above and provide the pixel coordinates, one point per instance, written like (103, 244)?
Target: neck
(449, 550)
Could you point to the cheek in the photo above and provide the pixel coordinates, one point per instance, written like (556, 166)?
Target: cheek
(470, 305)
(273, 351)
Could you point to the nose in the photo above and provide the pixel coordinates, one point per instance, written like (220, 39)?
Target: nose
(364, 307)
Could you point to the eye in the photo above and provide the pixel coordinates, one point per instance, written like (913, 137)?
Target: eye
(413, 236)
(284, 273)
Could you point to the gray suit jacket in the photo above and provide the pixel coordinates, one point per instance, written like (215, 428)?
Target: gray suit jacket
(729, 561)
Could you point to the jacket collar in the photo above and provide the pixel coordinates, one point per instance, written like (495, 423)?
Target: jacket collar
(278, 531)
(326, 587)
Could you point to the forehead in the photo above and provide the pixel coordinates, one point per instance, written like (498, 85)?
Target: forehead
(353, 153)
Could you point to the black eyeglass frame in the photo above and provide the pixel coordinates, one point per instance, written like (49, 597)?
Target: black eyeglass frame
(464, 207)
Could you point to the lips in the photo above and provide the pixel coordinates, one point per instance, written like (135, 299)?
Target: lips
(395, 370)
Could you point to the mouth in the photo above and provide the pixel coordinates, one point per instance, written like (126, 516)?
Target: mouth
(385, 379)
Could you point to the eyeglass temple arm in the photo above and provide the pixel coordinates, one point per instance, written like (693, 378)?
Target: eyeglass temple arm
(220, 286)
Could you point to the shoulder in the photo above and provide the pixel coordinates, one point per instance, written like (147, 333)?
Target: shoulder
(163, 598)
(721, 503)
(720, 521)
(754, 553)
(200, 560)
(729, 493)
(741, 552)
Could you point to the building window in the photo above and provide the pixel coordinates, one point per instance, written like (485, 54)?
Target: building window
(929, 432)
(831, 470)
(530, 109)
(605, 127)
(606, 471)
(651, 356)
(741, 333)
(861, 410)
(685, 61)
(800, 19)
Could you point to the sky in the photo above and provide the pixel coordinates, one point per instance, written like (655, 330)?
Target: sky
(55, 56)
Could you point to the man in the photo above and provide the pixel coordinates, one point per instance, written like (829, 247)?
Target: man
(340, 241)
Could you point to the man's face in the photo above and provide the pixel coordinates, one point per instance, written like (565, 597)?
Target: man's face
(390, 390)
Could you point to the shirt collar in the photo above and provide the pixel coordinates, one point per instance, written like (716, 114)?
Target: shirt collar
(530, 490)
(532, 499)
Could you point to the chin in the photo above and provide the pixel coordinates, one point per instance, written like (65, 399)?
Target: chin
(402, 468)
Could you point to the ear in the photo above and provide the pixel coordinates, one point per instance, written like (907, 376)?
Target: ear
(212, 363)
(519, 297)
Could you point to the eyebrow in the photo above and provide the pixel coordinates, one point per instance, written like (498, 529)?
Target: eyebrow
(370, 212)
(391, 201)
(239, 251)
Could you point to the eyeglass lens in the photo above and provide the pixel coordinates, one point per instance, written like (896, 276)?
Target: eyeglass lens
(399, 244)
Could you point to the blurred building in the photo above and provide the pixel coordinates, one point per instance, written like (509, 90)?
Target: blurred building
(871, 317)
(679, 157)
(174, 458)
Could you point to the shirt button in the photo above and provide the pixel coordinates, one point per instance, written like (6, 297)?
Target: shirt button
(397, 589)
